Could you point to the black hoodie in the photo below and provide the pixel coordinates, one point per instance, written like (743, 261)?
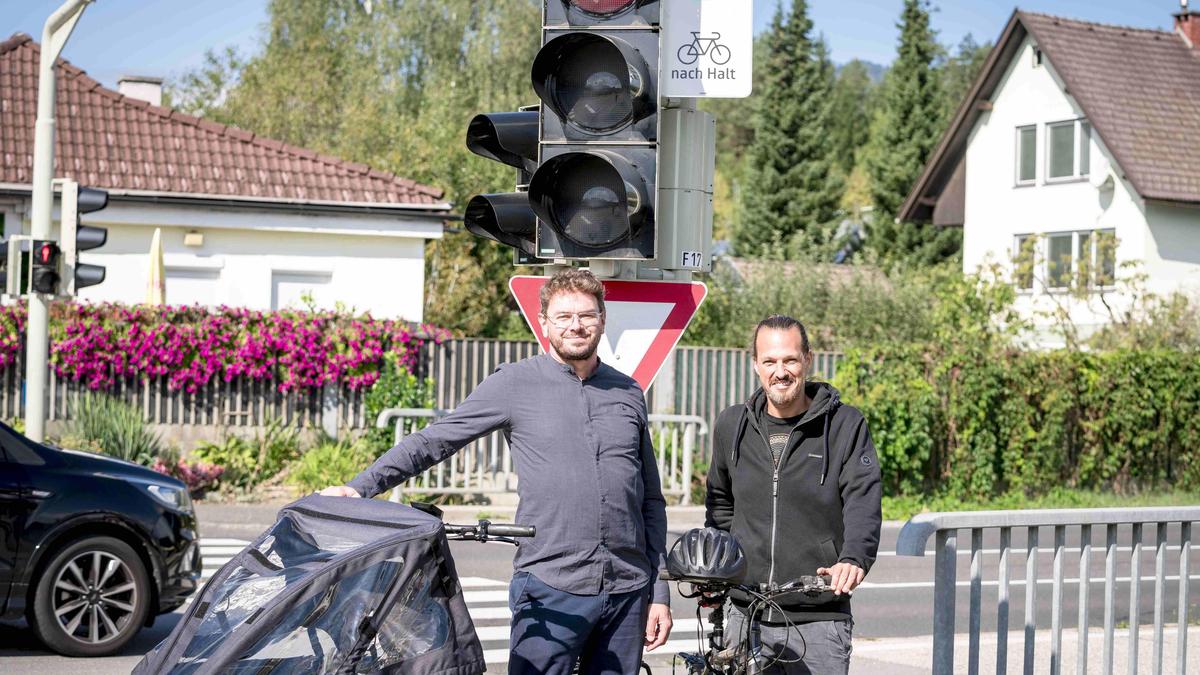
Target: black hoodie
(821, 508)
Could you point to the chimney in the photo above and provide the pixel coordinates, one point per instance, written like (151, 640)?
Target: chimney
(1187, 24)
(142, 88)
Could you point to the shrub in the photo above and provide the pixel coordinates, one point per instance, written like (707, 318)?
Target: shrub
(102, 423)
(330, 463)
(246, 462)
(198, 476)
(395, 388)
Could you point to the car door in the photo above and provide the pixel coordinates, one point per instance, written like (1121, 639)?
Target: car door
(14, 506)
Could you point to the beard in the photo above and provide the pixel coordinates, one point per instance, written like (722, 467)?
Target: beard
(782, 399)
(575, 352)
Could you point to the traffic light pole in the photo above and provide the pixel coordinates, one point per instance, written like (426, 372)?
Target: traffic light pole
(55, 33)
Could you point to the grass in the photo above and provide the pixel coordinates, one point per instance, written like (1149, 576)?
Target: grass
(904, 507)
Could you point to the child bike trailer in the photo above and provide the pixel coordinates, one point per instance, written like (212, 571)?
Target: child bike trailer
(336, 585)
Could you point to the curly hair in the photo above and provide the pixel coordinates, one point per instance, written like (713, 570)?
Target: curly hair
(573, 280)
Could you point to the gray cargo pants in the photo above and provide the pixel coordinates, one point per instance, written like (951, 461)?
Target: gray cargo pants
(817, 648)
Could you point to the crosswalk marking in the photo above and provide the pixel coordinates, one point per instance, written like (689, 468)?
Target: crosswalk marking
(487, 603)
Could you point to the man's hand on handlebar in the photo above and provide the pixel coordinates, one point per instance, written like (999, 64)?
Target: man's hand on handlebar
(339, 491)
(844, 577)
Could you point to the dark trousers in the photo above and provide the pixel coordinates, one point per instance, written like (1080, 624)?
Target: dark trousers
(551, 629)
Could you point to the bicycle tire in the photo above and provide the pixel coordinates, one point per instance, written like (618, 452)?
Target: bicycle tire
(712, 54)
(685, 51)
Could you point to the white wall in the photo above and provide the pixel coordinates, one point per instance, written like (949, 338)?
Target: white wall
(255, 258)
(997, 209)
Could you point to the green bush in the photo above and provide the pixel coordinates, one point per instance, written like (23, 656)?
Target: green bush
(250, 461)
(102, 423)
(395, 388)
(330, 463)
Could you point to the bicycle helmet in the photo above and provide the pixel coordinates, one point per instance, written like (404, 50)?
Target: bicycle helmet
(707, 555)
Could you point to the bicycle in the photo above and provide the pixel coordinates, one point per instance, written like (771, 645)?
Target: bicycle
(743, 657)
(702, 46)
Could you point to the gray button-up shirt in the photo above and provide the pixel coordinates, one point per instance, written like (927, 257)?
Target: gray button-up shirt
(587, 476)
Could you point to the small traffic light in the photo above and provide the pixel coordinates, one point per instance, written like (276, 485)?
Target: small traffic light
(76, 237)
(44, 271)
(510, 138)
(595, 191)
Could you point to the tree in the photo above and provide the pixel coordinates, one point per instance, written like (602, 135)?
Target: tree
(391, 84)
(850, 118)
(792, 188)
(959, 72)
(906, 127)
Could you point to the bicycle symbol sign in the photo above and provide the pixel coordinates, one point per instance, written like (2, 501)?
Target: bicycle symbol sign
(708, 49)
(704, 46)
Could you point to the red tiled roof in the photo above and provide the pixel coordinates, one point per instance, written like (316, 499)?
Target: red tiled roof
(108, 140)
(1139, 88)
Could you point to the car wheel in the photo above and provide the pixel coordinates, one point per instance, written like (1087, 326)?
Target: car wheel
(92, 598)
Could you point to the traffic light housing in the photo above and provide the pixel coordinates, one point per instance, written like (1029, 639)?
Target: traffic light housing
(595, 190)
(510, 138)
(76, 201)
(43, 273)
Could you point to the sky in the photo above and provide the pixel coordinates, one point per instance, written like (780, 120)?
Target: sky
(166, 38)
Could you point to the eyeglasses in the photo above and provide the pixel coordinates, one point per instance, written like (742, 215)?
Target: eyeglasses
(586, 319)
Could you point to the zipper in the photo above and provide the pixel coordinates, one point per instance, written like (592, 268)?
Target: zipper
(775, 500)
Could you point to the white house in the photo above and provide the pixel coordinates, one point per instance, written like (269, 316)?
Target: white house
(1076, 151)
(246, 221)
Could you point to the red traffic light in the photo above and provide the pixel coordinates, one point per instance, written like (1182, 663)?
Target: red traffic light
(45, 253)
(601, 7)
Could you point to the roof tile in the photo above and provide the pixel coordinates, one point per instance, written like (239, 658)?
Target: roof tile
(117, 142)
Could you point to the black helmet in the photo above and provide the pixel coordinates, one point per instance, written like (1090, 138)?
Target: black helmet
(707, 554)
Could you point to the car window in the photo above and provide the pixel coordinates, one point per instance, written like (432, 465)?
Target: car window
(19, 449)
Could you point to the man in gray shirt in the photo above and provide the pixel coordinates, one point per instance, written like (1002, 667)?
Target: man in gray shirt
(586, 587)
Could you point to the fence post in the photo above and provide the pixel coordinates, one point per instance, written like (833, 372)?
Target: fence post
(664, 386)
(329, 409)
(943, 602)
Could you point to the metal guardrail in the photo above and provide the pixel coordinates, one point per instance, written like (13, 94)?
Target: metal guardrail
(944, 526)
(485, 466)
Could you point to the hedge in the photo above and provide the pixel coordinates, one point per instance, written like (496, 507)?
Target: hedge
(1015, 421)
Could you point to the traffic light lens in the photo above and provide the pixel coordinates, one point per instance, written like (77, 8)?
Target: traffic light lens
(45, 253)
(601, 7)
(593, 90)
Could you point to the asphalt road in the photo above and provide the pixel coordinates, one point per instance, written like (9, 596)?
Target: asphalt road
(895, 602)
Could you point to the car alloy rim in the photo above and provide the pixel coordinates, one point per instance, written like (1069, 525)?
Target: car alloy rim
(94, 597)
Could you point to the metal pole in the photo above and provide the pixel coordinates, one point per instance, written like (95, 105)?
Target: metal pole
(37, 337)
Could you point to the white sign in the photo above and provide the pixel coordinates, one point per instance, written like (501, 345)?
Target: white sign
(707, 48)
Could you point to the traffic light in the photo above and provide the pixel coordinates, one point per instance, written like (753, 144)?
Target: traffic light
(595, 188)
(76, 237)
(44, 271)
(510, 138)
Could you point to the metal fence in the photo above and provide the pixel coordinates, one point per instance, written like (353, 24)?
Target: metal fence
(485, 466)
(697, 381)
(1082, 525)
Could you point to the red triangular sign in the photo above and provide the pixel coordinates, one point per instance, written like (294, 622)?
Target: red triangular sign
(644, 321)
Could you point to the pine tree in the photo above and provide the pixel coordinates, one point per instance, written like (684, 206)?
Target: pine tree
(906, 128)
(792, 189)
(850, 120)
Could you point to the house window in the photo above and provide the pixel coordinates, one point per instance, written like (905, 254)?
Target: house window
(1085, 259)
(1024, 258)
(192, 286)
(1026, 155)
(1068, 149)
(1058, 260)
(1037, 57)
(301, 289)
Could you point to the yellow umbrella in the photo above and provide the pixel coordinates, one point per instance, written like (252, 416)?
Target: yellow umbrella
(156, 287)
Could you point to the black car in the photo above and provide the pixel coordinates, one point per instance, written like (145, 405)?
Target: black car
(91, 548)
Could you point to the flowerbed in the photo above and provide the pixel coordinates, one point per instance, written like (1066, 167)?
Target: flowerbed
(98, 343)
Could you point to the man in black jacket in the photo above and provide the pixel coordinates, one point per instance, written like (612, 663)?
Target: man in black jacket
(795, 479)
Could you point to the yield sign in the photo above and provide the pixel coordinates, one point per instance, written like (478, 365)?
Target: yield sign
(644, 322)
